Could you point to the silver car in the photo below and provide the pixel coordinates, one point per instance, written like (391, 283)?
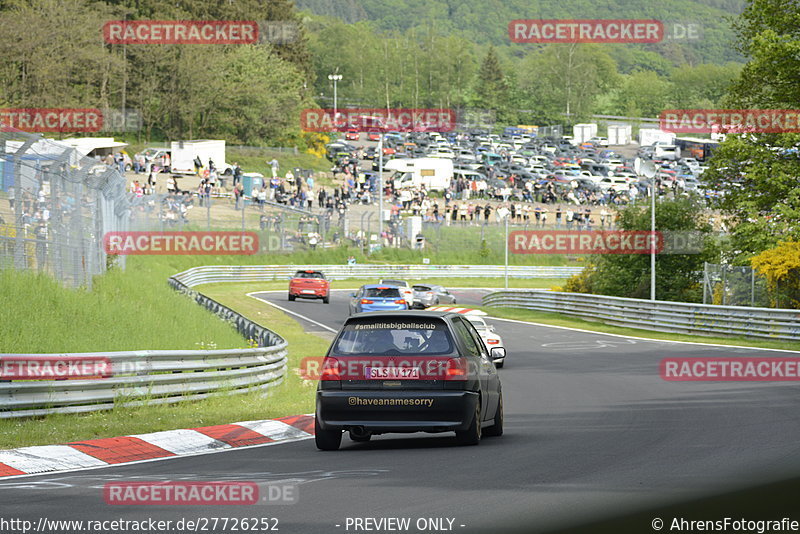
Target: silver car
(427, 295)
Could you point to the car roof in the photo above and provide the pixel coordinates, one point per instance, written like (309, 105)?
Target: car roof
(374, 286)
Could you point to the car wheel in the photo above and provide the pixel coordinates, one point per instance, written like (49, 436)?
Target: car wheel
(436, 303)
(326, 440)
(454, 301)
(326, 300)
(291, 297)
(472, 435)
(497, 428)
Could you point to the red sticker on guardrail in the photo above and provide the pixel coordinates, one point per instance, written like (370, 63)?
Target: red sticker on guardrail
(181, 243)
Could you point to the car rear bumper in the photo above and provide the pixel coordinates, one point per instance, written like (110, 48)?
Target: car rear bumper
(396, 411)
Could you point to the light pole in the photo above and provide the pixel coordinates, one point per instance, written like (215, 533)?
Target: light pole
(648, 170)
(335, 78)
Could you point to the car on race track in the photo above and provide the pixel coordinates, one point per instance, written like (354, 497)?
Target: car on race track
(431, 295)
(415, 371)
(405, 289)
(377, 297)
(374, 136)
(309, 284)
(491, 338)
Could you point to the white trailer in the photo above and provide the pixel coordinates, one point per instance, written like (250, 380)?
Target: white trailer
(185, 152)
(652, 136)
(434, 173)
(619, 134)
(583, 132)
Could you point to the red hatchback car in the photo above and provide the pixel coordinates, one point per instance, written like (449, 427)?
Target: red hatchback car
(310, 285)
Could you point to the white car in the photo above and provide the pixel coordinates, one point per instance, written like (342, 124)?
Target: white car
(599, 141)
(490, 338)
(405, 289)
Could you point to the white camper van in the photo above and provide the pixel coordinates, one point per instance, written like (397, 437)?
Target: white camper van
(434, 173)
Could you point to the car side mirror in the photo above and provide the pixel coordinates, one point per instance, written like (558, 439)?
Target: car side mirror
(497, 353)
(352, 295)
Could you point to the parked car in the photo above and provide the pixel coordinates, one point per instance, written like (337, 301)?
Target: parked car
(431, 295)
(377, 297)
(309, 285)
(351, 134)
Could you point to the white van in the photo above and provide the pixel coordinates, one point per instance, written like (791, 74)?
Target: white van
(435, 174)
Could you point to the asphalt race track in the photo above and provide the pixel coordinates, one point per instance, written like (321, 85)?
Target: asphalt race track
(591, 431)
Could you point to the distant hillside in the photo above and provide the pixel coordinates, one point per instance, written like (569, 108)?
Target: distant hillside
(486, 21)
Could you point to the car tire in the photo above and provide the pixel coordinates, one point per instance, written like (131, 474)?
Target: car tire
(454, 301)
(436, 303)
(291, 297)
(326, 440)
(326, 300)
(497, 428)
(472, 435)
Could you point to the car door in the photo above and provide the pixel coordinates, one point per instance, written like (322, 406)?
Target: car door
(354, 301)
(492, 379)
(484, 367)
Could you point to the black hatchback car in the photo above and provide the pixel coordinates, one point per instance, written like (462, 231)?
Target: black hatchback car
(407, 371)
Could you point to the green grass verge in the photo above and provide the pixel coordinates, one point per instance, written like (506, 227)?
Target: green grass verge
(557, 319)
(133, 310)
(292, 397)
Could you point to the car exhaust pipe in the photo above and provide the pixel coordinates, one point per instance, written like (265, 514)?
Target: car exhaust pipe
(359, 432)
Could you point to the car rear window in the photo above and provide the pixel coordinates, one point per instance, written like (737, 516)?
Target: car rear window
(421, 288)
(306, 274)
(386, 337)
(382, 292)
(394, 282)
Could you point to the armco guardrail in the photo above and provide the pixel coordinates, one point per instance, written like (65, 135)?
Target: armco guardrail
(659, 315)
(154, 376)
(262, 273)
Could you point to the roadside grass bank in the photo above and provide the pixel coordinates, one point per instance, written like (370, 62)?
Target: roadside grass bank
(133, 310)
(292, 397)
(557, 319)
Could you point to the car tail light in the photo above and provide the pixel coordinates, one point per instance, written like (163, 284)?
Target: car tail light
(367, 301)
(456, 369)
(400, 301)
(331, 370)
(430, 293)
(492, 341)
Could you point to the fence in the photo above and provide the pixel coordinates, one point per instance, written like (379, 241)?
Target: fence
(263, 273)
(59, 206)
(154, 376)
(660, 316)
(731, 285)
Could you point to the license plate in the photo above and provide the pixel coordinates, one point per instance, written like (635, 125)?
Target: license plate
(392, 373)
(307, 291)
